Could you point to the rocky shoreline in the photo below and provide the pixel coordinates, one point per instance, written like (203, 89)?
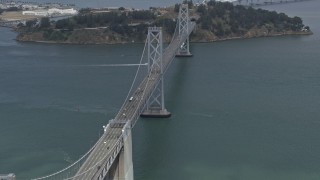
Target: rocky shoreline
(202, 38)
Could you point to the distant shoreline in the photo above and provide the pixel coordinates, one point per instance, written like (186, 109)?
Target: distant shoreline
(192, 41)
(215, 21)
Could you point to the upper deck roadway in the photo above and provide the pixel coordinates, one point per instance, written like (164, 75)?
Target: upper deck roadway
(130, 111)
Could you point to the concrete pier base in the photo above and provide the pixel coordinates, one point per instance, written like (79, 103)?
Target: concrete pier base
(182, 54)
(124, 168)
(155, 113)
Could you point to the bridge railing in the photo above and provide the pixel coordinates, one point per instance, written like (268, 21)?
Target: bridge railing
(107, 162)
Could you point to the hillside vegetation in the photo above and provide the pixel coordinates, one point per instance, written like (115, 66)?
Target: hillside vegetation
(215, 21)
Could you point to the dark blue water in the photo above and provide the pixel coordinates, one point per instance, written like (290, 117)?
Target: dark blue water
(242, 109)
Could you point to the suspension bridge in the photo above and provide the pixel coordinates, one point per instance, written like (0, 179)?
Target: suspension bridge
(111, 157)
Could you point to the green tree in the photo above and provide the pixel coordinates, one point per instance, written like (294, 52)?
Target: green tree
(202, 9)
(62, 23)
(44, 22)
(168, 24)
(57, 36)
(189, 2)
(211, 3)
(206, 22)
(296, 23)
(219, 29)
(47, 33)
(142, 15)
(31, 23)
(117, 28)
(84, 11)
(71, 24)
(176, 7)
(13, 9)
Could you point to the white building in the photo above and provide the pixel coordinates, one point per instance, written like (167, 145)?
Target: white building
(29, 6)
(51, 12)
(70, 11)
(36, 13)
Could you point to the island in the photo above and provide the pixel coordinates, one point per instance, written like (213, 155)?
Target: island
(215, 21)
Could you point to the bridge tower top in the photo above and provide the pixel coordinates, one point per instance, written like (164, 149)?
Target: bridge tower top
(183, 19)
(155, 104)
(155, 48)
(184, 22)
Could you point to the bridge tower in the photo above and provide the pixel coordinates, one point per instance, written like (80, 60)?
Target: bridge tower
(183, 21)
(155, 104)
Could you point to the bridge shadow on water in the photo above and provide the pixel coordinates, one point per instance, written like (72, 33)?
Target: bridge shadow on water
(175, 81)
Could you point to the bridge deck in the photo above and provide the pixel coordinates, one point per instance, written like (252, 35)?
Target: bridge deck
(130, 111)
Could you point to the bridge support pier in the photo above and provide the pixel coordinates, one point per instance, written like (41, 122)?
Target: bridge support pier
(183, 21)
(155, 104)
(124, 171)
